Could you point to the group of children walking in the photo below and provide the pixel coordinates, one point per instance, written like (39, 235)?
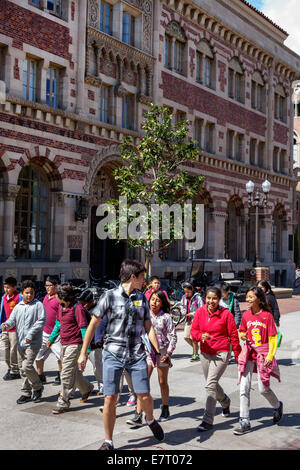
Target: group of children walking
(132, 333)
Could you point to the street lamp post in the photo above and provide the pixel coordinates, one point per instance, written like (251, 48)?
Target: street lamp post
(258, 200)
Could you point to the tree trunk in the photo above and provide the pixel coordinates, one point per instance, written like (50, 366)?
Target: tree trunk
(148, 257)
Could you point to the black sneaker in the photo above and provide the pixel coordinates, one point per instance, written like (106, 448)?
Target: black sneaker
(157, 431)
(278, 412)
(14, 376)
(36, 396)
(226, 411)
(165, 413)
(243, 427)
(43, 378)
(106, 446)
(204, 427)
(23, 399)
(57, 380)
(7, 375)
(137, 420)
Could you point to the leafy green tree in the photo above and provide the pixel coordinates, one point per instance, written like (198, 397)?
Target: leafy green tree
(153, 173)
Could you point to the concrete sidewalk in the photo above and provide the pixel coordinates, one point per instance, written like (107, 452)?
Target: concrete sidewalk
(33, 427)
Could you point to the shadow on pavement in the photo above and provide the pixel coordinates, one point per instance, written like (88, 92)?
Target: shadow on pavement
(286, 362)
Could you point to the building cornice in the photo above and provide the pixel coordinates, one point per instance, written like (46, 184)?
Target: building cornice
(217, 27)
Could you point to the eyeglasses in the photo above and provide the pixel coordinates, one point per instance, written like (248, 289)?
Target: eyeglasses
(49, 285)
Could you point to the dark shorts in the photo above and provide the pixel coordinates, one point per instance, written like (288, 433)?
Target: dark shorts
(112, 372)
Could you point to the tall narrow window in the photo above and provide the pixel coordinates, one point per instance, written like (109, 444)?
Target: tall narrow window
(128, 112)
(106, 14)
(282, 161)
(236, 80)
(275, 159)
(31, 216)
(258, 92)
(209, 137)
(229, 145)
(3, 50)
(239, 148)
(168, 52)
(105, 104)
(205, 64)
(128, 28)
(198, 131)
(280, 110)
(52, 87)
(261, 154)
(253, 152)
(175, 47)
(29, 79)
(178, 56)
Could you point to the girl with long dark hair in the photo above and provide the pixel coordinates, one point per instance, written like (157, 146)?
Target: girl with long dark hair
(271, 299)
(166, 338)
(259, 332)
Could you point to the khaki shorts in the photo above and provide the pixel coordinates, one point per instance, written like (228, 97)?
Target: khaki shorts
(187, 330)
(163, 352)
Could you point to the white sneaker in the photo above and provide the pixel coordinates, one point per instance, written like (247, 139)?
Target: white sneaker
(131, 401)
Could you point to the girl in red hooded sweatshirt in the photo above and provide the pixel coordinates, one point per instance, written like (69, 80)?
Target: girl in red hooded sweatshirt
(214, 327)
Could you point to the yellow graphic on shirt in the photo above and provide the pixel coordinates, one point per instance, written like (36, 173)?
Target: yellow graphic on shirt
(256, 337)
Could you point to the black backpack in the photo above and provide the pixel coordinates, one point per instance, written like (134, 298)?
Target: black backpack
(88, 316)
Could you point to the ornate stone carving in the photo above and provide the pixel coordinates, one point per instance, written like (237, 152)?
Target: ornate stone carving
(92, 80)
(146, 7)
(120, 91)
(93, 13)
(108, 67)
(10, 191)
(147, 100)
(74, 241)
(173, 29)
(105, 155)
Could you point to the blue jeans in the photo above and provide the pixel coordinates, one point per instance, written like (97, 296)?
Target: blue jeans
(113, 369)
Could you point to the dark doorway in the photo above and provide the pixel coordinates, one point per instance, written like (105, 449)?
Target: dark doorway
(107, 255)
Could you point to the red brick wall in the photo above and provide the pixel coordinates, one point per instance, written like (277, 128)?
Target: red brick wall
(223, 110)
(30, 27)
(281, 133)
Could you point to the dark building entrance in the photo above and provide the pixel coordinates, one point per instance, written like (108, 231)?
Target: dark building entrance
(107, 255)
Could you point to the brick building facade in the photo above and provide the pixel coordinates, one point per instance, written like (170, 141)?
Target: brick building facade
(78, 77)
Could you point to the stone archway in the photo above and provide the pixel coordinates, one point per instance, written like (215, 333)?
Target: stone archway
(105, 256)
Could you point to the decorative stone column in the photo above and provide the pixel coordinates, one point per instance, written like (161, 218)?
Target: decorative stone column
(270, 120)
(219, 245)
(81, 51)
(10, 195)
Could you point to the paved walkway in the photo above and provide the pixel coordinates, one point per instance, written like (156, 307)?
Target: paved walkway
(34, 427)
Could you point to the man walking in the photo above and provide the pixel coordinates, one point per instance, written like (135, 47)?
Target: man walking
(128, 315)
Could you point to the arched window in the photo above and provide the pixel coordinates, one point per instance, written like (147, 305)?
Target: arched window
(175, 48)
(31, 215)
(205, 70)
(280, 108)
(258, 92)
(236, 80)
